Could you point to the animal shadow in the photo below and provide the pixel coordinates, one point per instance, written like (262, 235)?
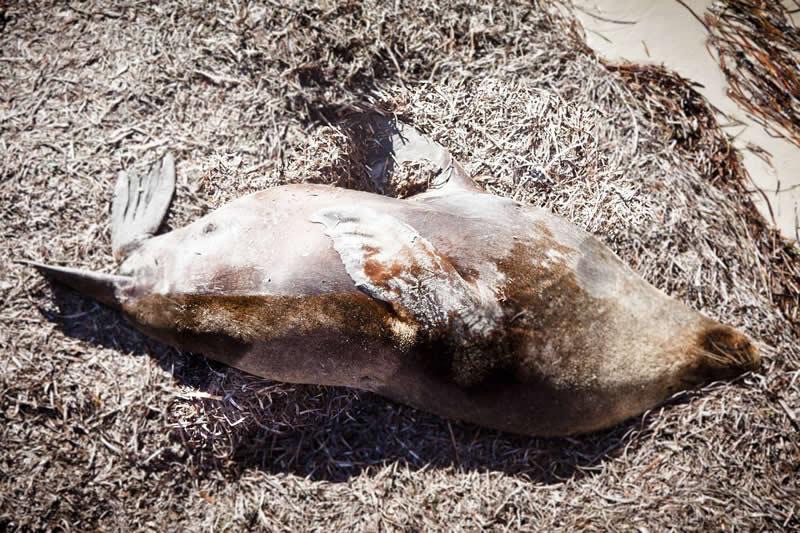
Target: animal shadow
(328, 433)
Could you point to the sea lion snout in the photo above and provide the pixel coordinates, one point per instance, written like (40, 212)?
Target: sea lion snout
(723, 353)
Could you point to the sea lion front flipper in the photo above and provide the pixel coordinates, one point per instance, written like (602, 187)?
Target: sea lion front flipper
(409, 144)
(391, 261)
(140, 204)
(403, 143)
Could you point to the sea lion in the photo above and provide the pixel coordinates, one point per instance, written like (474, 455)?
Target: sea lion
(469, 305)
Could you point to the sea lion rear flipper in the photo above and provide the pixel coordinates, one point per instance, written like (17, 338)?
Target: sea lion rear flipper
(140, 205)
(391, 261)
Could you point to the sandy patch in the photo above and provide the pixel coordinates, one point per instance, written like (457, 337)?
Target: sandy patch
(667, 33)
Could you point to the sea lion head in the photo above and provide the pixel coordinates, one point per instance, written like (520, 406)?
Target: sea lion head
(586, 387)
(602, 345)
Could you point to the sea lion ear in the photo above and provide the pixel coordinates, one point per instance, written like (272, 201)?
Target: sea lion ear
(391, 261)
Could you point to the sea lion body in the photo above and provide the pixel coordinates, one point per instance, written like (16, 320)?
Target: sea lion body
(561, 338)
(458, 302)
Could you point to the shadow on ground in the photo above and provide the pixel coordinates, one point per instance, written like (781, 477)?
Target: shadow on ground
(335, 434)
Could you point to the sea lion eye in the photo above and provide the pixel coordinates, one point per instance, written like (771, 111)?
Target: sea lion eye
(208, 228)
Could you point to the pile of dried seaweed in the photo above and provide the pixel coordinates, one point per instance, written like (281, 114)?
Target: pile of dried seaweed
(758, 47)
(103, 428)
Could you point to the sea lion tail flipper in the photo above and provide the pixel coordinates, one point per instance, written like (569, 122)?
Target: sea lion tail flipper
(102, 287)
(391, 261)
(140, 204)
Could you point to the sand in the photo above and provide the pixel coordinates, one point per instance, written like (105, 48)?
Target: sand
(667, 33)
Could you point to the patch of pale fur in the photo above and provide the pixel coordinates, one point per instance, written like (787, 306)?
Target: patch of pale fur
(403, 333)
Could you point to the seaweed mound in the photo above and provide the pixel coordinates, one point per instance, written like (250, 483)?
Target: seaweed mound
(102, 428)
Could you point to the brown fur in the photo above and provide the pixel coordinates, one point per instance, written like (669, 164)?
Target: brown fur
(254, 318)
